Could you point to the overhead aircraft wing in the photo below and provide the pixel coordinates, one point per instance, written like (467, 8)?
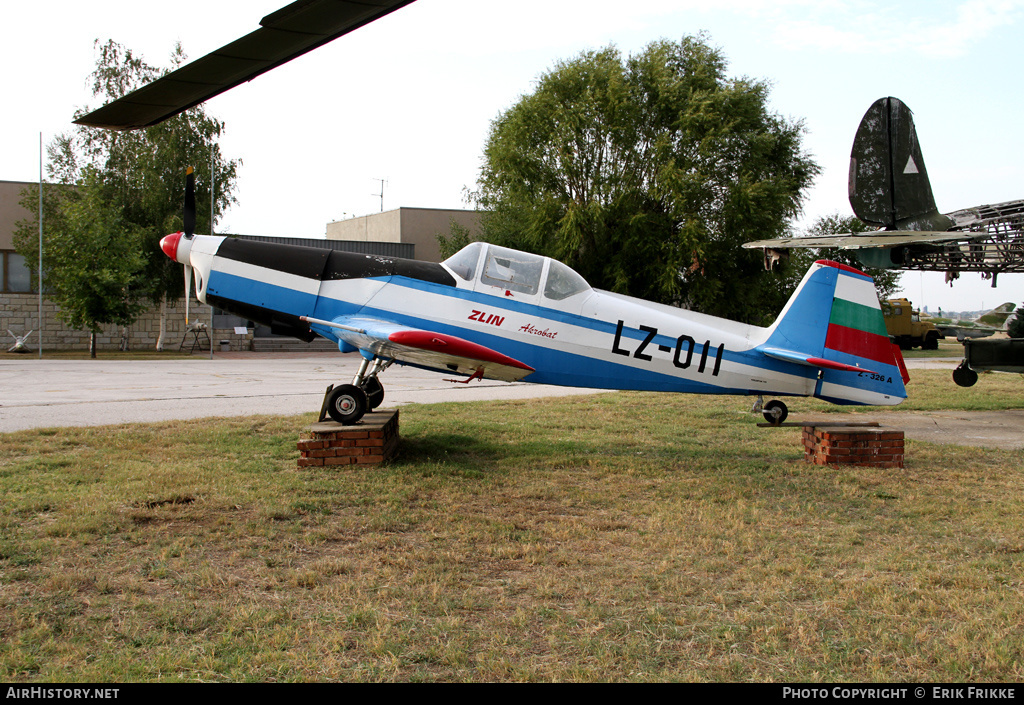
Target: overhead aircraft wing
(881, 238)
(422, 347)
(283, 35)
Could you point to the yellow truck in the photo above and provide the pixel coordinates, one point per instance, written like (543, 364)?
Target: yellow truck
(905, 326)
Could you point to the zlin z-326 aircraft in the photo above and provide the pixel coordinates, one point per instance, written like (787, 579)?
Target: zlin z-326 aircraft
(493, 312)
(498, 313)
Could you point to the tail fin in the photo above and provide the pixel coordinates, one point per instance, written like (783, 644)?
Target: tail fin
(998, 316)
(833, 322)
(888, 181)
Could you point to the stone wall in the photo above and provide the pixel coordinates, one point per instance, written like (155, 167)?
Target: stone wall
(20, 313)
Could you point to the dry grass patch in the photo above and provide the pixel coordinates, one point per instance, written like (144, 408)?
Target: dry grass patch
(614, 537)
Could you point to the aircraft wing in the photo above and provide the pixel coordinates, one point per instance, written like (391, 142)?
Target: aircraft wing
(424, 348)
(881, 238)
(961, 332)
(283, 35)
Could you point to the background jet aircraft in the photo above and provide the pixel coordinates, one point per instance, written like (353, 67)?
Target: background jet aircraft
(889, 187)
(983, 326)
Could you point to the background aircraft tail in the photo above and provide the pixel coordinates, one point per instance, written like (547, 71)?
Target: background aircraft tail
(997, 317)
(833, 322)
(888, 181)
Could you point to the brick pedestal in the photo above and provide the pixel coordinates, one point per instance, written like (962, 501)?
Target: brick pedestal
(853, 445)
(372, 441)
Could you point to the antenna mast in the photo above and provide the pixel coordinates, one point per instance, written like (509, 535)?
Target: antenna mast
(381, 194)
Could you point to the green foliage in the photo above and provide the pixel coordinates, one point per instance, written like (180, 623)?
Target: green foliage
(139, 175)
(457, 238)
(1015, 328)
(94, 263)
(647, 174)
(887, 281)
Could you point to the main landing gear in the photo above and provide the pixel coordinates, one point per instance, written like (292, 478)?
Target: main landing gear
(347, 403)
(774, 412)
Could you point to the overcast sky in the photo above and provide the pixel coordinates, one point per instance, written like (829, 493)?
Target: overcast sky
(409, 99)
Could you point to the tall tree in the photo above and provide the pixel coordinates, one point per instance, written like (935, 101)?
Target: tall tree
(647, 174)
(138, 177)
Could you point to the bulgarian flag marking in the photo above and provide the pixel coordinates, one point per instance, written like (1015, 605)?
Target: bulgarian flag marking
(856, 325)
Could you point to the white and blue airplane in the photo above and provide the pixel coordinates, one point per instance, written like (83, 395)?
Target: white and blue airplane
(492, 312)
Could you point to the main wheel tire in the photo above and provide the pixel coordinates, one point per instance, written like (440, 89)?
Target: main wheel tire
(346, 404)
(931, 341)
(964, 376)
(374, 393)
(775, 412)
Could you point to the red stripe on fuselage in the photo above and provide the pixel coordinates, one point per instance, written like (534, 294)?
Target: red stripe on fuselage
(856, 342)
(457, 347)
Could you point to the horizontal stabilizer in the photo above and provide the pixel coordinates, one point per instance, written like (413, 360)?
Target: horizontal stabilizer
(809, 360)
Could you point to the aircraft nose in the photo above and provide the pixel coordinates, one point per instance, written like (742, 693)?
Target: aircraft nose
(170, 245)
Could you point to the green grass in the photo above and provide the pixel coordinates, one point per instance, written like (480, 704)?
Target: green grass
(947, 348)
(625, 536)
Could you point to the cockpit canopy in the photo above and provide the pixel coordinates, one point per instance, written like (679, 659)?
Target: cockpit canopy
(518, 272)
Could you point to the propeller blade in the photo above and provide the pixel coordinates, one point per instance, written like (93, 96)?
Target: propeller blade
(188, 289)
(189, 216)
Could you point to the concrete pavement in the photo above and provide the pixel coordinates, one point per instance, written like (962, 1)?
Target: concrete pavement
(41, 393)
(45, 393)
